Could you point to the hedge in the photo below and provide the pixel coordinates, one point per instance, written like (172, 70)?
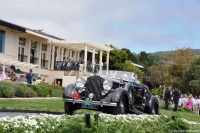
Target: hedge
(10, 90)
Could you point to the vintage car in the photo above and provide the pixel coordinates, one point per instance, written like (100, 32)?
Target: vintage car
(113, 92)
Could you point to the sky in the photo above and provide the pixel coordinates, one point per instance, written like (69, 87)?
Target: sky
(138, 25)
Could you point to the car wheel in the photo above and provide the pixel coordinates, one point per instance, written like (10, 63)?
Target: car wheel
(121, 107)
(68, 108)
(154, 108)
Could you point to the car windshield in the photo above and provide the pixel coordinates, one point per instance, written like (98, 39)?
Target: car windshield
(118, 74)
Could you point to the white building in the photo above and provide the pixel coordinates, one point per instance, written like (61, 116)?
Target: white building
(33, 49)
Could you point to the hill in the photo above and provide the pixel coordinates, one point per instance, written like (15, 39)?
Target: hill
(158, 56)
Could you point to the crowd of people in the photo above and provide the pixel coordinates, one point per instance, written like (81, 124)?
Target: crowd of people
(70, 64)
(12, 76)
(178, 100)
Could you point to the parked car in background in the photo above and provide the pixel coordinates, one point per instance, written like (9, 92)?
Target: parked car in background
(113, 92)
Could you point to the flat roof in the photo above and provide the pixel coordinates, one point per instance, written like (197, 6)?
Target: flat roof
(24, 29)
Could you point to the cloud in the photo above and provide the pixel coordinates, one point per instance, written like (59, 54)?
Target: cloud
(138, 25)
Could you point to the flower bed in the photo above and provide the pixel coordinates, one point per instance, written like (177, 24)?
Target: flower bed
(44, 123)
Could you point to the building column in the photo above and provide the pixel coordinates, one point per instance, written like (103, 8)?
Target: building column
(39, 55)
(62, 50)
(53, 55)
(49, 56)
(85, 59)
(70, 53)
(75, 55)
(100, 61)
(78, 55)
(107, 61)
(58, 53)
(16, 47)
(67, 53)
(29, 51)
(93, 58)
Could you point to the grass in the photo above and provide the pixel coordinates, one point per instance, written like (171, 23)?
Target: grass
(58, 106)
(184, 114)
(33, 104)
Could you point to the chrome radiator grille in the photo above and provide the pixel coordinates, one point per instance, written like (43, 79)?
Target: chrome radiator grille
(94, 85)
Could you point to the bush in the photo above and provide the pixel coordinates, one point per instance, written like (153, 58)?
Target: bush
(29, 92)
(19, 90)
(42, 90)
(57, 91)
(10, 89)
(158, 91)
(6, 90)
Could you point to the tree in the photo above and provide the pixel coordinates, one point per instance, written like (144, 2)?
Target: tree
(178, 63)
(156, 75)
(194, 75)
(131, 56)
(117, 58)
(145, 60)
(128, 66)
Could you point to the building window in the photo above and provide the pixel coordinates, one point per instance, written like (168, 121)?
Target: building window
(22, 41)
(44, 47)
(21, 49)
(2, 41)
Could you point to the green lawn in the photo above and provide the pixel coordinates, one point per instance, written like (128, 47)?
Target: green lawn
(186, 115)
(58, 106)
(33, 104)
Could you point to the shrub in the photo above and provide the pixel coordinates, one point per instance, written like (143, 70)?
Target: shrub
(158, 91)
(19, 90)
(57, 91)
(10, 89)
(6, 90)
(42, 90)
(29, 92)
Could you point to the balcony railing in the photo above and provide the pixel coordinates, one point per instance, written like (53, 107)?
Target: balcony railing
(22, 58)
(34, 60)
(44, 64)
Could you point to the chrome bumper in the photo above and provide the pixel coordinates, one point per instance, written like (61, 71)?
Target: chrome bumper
(100, 103)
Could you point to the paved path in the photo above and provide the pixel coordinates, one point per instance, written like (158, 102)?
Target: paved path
(11, 114)
(32, 98)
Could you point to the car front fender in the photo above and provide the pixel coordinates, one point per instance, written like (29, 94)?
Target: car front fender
(118, 93)
(69, 90)
(153, 99)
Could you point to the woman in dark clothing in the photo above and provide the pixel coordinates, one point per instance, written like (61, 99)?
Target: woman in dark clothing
(167, 97)
(176, 96)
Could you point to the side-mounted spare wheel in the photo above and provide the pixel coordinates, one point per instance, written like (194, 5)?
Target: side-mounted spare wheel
(121, 106)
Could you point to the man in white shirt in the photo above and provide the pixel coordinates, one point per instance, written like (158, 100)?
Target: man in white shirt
(180, 101)
(185, 99)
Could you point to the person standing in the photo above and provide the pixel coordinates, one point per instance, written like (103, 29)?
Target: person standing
(13, 75)
(176, 96)
(189, 102)
(167, 97)
(2, 74)
(29, 77)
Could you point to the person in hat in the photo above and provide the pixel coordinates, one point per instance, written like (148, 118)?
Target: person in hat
(2, 74)
(13, 75)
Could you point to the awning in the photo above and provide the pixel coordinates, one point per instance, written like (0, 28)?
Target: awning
(5, 61)
(18, 71)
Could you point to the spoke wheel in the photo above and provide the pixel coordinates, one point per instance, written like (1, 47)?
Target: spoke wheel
(121, 107)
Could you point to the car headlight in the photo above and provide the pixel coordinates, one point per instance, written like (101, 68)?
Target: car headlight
(80, 82)
(107, 84)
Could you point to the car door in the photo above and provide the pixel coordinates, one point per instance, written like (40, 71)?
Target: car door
(139, 99)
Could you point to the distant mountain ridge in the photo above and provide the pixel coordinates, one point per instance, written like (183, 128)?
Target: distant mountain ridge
(158, 56)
